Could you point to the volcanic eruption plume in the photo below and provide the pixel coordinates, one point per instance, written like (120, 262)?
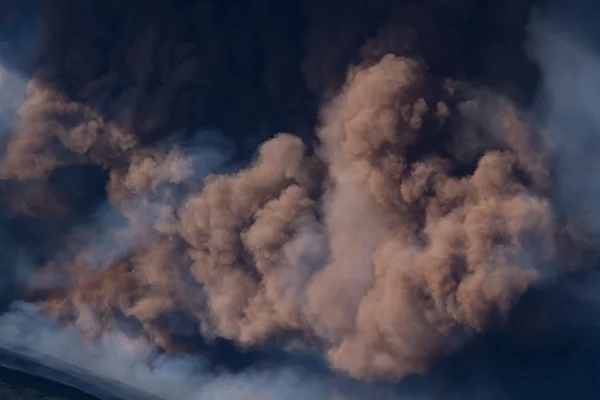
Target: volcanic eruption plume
(357, 177)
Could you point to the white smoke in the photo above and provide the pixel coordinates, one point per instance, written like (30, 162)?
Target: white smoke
(128, 367)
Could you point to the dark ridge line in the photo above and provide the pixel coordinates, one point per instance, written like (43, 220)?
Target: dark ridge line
(75, 384)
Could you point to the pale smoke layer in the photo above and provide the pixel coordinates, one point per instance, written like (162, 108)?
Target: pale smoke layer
(568, 52)
(418, 223)
(130, 370)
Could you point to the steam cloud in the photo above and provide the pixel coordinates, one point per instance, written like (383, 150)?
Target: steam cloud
(408, 211)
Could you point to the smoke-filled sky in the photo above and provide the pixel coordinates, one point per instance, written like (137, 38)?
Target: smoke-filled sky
(303, 199)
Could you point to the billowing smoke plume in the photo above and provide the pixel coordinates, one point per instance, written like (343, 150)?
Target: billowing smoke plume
(412, 205)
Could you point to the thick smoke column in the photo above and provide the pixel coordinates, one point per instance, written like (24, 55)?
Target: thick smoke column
(411, 217)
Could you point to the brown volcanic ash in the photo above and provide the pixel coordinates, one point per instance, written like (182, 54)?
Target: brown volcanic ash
(421, 216)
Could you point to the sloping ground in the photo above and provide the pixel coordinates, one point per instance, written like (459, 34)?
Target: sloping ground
(16, 385)
(22, 377)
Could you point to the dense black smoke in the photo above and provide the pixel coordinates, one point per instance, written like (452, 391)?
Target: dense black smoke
(380, 183)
